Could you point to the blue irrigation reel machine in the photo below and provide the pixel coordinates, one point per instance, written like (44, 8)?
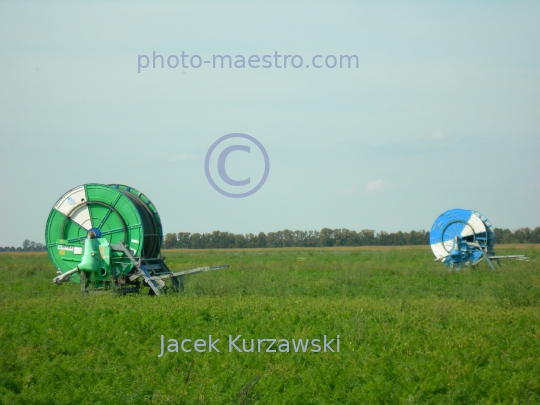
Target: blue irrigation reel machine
(461, 238)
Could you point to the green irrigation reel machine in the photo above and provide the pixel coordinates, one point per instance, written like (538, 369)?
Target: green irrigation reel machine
(109, 237)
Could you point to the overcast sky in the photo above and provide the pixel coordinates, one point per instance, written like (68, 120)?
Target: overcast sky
(443, 111)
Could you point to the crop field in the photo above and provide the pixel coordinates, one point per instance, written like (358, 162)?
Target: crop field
(410, 331)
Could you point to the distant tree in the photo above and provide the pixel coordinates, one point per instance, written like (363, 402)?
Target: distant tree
(197, 241)
(287, 238)
(384, 238)
(312, 239)
(220, 240)
(341, 237)
(170, 241)
(261, 240)
(535, 235)
(213, 240)
(299, 238)
(366, 237)
(401, 238)
(240, 241)
(272, 240)
(183, 240)
(26, 245)
(418, 238)
(503, 236)
(251, 240)
(522, 235)
(352, 239)
(326, 237)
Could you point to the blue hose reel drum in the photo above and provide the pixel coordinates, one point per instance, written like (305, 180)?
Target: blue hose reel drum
(462, 237)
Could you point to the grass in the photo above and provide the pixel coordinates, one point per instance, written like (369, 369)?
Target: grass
(411, 331)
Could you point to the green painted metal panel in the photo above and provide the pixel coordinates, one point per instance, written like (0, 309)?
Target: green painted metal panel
(149, 215)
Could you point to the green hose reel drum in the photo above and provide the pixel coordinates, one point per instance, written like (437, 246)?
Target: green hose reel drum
(110, 214)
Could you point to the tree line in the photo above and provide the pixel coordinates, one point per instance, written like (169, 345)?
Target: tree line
(27, 246)
(521, 235)
(326, 237)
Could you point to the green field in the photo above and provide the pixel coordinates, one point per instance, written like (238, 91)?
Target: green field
(411, 332)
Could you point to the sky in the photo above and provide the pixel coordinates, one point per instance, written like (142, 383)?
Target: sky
(443, 111)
